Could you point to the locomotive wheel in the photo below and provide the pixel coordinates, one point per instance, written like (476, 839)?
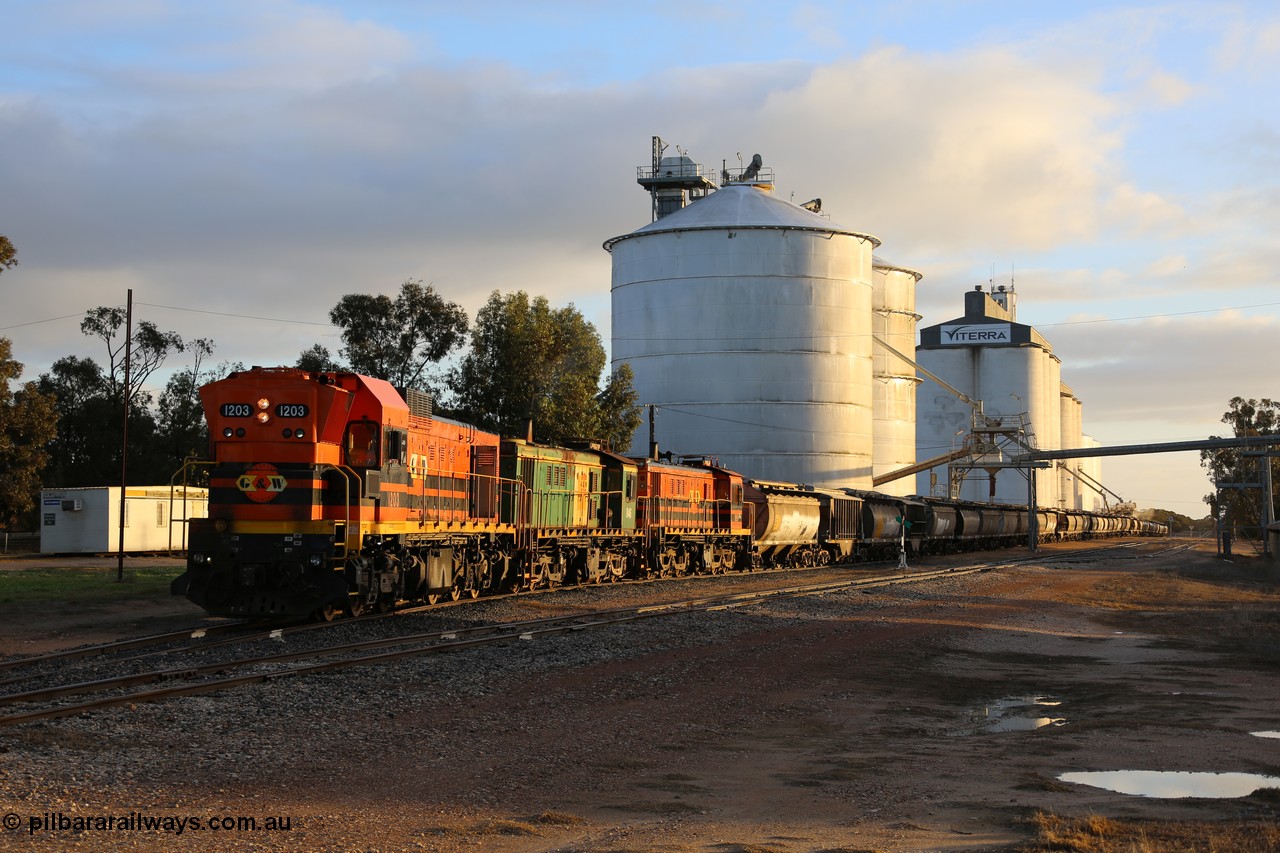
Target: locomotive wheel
(455, 591)
(354, 608)
(326, 614)
(433, 598)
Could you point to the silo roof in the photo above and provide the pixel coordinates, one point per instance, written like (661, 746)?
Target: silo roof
(741, 206)
(880, 263)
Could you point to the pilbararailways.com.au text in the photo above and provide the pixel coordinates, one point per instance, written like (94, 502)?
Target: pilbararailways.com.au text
(56, 822)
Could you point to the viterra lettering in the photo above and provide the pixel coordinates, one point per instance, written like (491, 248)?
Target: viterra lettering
(975, 334)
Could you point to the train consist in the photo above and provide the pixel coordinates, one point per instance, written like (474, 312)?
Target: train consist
(331, 493)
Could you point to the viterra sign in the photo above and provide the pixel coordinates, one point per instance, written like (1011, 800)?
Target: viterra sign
(982, 333)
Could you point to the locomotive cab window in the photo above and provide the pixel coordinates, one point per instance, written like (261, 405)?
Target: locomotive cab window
(361, 445)
(396, 445)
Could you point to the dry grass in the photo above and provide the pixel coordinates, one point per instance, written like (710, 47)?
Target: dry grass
(559, 819)
(1172, 591)
(1096, 834)
(1221, 605)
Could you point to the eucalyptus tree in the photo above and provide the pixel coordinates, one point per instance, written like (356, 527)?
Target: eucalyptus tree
(398, 339)
(28, 421)
(1232, 466)
(528, 359)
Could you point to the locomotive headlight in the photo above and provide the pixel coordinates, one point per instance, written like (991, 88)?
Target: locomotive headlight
(316, 560)
(227, 432)
(199, 559)
(264, 417)
(264, 403)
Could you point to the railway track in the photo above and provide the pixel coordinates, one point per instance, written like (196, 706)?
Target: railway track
(213, 675)
(220, 675)
(199, 638)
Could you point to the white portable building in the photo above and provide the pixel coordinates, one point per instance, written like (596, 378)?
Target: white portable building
(87, 520)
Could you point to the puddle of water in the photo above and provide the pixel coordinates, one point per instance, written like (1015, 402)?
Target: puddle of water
(1169, 785)
(1265, 734)
(1024, 724)
(1013, 714)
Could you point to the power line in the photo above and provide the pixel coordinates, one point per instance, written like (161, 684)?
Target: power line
(236, 316)
(38, 322)
(175, 308)
(1157, 316)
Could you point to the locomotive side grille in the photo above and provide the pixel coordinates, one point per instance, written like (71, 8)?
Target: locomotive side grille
(420, 404)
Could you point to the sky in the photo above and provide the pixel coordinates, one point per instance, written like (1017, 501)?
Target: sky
(242, 165)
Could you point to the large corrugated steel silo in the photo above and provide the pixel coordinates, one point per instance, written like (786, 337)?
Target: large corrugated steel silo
(746, 320)
(1070, 487)
(894, 380)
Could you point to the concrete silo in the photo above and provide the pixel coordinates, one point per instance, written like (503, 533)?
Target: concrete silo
(1012, 370)
(747, 320)
(1070, 488)
(894, 380)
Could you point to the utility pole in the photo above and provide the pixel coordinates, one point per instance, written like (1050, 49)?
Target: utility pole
(124, 431)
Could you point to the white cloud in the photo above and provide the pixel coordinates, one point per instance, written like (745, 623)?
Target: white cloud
(1166, 266)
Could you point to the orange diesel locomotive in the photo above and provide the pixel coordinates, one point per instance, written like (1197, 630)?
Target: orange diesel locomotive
(329, 492)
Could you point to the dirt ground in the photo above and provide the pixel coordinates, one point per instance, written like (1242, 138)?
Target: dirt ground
(902, 725)
(35, 631)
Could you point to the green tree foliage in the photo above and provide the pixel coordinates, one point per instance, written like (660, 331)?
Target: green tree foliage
(182, 430)
(8, 254)
(86, 450)
(90, 402)
(527, 358)
(28, 422)
(317, 360)
(1230, 465)
(149, 350)
(618, 412)
(396, 339)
